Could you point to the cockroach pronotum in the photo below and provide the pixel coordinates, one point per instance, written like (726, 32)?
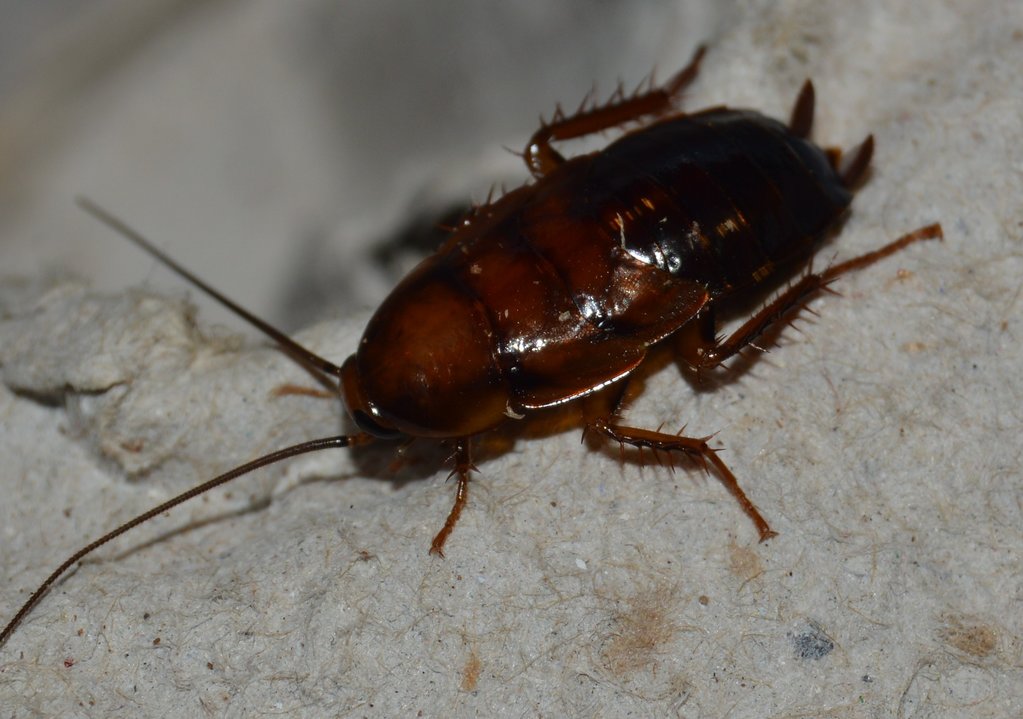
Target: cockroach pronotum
(558, 290)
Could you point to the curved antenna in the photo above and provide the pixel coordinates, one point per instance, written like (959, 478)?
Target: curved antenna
(307, 357)
(314, 445)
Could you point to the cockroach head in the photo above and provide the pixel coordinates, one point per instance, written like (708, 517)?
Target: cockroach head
(426, 363)
(363, 412)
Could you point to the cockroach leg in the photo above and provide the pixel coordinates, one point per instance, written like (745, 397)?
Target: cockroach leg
(929, 232)
(795, 297)
(695, 447)
(297, 390)
(541, 158)
(463, 465)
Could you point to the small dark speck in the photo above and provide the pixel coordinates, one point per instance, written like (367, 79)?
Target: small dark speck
(812, 643)
(867, 679)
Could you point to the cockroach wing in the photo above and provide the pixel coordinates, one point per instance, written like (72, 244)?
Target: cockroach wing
(648, 305)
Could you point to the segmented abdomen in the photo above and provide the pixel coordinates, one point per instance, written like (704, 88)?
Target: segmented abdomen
(720, 197)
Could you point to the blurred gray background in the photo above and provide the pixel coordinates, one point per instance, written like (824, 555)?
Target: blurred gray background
(269, 145)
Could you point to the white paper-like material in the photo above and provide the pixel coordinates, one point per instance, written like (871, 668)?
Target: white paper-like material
(880, 439)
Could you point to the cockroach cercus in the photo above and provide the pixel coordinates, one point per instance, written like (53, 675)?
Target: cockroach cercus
(559, 289)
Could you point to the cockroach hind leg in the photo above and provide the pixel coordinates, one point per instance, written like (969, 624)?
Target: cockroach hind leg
(797, 295)
(463, 466)
(684, 77)
(928, 232)
(694, 447)
(619, 110)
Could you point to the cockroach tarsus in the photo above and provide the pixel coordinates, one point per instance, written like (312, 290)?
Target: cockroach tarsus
(558, 289)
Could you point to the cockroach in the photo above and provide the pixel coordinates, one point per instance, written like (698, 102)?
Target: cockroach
(558, 290)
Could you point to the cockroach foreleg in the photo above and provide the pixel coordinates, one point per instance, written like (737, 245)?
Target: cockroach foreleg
(695, 447)
(463, 465)
(796, 297)
(297, 390)
(541, 158)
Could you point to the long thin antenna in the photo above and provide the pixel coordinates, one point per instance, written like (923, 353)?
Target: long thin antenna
(300, 353)
(322, 368)
(281, 454)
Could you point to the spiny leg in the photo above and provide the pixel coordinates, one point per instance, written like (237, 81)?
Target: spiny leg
(695, 447)
(796, 297)
(541, 158)
(463, 465)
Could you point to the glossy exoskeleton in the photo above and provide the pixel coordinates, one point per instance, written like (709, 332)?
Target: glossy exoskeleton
(558, 289)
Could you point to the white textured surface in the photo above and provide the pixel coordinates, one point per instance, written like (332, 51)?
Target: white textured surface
(882, 443)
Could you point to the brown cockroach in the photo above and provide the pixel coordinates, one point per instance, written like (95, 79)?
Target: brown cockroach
(557, 290)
